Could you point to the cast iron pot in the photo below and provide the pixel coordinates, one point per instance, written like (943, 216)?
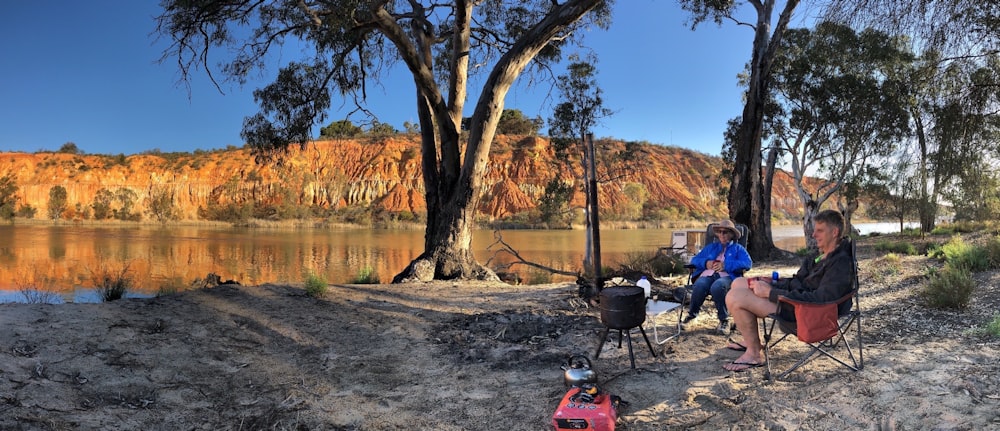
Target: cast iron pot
(623, 307)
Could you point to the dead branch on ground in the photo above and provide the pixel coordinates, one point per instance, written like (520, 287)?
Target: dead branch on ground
(503, 247)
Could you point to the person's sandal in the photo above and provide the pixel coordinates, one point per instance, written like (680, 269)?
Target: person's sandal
(735, 345)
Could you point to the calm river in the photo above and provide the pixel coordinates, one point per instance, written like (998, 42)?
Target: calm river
(63, 258)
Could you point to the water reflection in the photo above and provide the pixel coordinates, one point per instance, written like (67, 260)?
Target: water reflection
(64, 259)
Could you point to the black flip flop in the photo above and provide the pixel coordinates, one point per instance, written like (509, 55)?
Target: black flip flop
(746, 365)
(738, 347)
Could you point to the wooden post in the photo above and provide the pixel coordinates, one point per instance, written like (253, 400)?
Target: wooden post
(594, 210)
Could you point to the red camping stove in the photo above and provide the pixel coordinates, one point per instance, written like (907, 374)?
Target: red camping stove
(586, 408)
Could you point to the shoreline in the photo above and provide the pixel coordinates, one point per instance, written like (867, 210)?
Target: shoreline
(466, 356)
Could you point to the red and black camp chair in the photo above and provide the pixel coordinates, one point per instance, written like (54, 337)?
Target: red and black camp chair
(828, 331)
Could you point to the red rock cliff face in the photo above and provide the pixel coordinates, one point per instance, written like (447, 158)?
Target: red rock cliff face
(339, 173)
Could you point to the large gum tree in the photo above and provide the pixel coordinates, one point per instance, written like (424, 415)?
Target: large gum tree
(748, 203)
(349, 44)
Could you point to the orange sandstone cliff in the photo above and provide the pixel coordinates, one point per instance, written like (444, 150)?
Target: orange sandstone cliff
(383, 173)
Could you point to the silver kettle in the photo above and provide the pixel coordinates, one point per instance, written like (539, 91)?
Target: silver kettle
(577, 371)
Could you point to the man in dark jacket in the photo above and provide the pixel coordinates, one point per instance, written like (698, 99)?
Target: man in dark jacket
(822, 278)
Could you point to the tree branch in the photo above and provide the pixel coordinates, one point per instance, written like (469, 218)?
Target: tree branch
(507, 248)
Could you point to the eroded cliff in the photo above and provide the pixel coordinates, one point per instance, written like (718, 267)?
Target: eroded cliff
(385, 173)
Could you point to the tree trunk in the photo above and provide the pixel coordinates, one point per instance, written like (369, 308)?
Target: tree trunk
(595, 211)
(848, 209)
(453, 187)
(924, 209)
(772, 160)
(746, 200)
(808, 226)
(746, 193)
(588, 254)
(448, 252)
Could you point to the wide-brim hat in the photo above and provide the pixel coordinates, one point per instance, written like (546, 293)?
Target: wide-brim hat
(726, 224)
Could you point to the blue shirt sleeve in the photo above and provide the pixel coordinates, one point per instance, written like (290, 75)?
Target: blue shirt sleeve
(706, 254)
(738, 259)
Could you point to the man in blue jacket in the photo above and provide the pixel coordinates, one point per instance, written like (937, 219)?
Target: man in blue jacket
(717, 265)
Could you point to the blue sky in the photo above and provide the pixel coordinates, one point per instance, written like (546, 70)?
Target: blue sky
(86, 72)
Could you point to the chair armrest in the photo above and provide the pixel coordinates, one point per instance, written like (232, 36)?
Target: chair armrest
(793, 304)
(797, 303)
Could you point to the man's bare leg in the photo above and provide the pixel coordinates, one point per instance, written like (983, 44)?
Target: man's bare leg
(745, 307)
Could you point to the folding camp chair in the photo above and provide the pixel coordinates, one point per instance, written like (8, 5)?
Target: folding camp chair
(827, 330)
(684, 296)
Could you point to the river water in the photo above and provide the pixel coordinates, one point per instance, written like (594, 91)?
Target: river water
(64, 258)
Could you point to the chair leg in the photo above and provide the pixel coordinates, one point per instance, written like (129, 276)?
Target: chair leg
(767, 348)
(823, 348)
(861, 344)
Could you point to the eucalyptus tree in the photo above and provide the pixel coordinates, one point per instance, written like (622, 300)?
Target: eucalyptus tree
(840, 105)
(572, 122)
(747, 203)
(57, 202)
(953, 110)
(341, 129)
(102, 203)
(953, 27)
(160, 204)
(8, 196)
(954, 37)
(965, 138)
(891, 190)
(514, 122)
(978, 197)
(355, 43)
(126, 198)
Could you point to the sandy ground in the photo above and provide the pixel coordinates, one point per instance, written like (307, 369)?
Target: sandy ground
(470, 356)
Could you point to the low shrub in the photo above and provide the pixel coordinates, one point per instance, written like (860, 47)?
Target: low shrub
(887, 265)
(906, 248)
(538, 276)
(37, 290)
(366, 275)
(968, 226)
(993, 251)
(943, 230)
(993, 328)
(667, 264)
(659, 264)
(935, 250)
(315, 284)
(171, 286)
(960, 254)
(111, 283)
(635, 261)
(950, 287)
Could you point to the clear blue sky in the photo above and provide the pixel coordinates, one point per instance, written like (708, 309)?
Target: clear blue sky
(86, 72)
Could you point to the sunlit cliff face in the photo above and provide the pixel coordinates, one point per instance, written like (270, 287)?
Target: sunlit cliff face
(671, 181)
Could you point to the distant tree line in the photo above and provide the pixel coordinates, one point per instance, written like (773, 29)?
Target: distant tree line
(512, 122)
